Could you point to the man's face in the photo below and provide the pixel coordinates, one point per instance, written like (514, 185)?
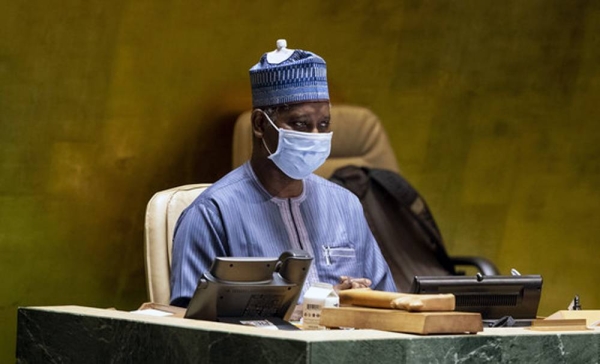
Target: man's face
(309, 117)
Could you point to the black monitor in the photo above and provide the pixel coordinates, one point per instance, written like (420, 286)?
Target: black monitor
(240, 290)
(495, 297)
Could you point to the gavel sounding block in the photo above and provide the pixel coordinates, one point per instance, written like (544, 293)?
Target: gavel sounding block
(399, 312)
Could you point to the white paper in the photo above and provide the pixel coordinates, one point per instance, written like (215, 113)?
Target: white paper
(152, 312)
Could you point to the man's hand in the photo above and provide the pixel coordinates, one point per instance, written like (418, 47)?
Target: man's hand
(352, 283)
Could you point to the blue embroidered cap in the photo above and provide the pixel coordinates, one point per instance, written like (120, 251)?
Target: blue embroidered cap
(300, 78)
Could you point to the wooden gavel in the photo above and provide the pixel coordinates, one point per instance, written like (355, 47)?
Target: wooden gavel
(367, 297)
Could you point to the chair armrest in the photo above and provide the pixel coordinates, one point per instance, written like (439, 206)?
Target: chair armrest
(485, 266)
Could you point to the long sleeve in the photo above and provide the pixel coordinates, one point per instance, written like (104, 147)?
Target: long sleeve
(199, 237)
(376, 268)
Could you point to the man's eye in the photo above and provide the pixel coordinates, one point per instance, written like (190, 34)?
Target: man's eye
(300, 125)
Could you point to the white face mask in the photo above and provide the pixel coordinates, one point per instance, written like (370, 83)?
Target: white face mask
(299, 154)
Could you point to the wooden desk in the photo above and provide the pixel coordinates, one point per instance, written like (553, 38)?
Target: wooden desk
(89, 335)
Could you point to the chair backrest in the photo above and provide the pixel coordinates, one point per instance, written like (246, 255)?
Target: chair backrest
(162, 212)
(358, 139)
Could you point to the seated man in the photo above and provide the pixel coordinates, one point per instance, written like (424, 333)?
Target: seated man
(274, 202)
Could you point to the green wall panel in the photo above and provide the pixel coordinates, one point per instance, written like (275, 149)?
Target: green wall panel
(492, 108)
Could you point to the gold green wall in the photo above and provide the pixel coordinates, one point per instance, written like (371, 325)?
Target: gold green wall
(492, 108)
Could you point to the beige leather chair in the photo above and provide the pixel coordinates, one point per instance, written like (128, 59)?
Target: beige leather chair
(358, 139)
(162, 213)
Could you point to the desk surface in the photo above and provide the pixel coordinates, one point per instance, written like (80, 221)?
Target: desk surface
(74, 333)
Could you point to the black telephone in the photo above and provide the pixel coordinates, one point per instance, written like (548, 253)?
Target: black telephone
(243, 290)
